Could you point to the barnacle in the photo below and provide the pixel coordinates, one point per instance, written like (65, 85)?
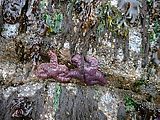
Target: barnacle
(130, 8)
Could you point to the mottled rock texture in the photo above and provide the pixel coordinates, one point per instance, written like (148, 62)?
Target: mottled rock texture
(119, 57)
(79, 106)
(9, 109)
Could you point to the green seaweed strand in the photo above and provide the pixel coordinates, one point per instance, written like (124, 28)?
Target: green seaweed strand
(57, 93)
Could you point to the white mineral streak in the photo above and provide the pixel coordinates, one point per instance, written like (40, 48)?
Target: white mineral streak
(30, 8)
(108, 104)
(139, 70)
(7, 92)
(29, 89)
(51, 88)
(72, 87)
(87, 1)
(66, 45)
(120, 55)
(135, 40)
(135, 47)
(24, 90)
(114, 3)
(50, 113)
(10, 31)
(7, 69)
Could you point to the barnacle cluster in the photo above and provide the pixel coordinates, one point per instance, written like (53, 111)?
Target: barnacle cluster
(12, 10)
(33, 51)
(14, 17)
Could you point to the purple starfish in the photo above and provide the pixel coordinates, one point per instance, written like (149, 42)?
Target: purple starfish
(87, 70)
(52, 69)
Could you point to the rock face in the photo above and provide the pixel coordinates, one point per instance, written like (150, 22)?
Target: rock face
(121, 114)
(76, 103)
(79, 106)
(69, 101)
(17, 108)
(79, 102)
(132, 91)
(1, 18)
(2, 106)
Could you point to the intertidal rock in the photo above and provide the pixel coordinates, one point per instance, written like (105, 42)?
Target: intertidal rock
(12, 10)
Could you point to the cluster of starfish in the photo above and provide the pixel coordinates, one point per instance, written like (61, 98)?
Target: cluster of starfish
(86, 70)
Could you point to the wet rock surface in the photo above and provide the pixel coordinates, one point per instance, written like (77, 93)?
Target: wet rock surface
(97, 102)
(17, 107)
(72, 106)
(132, 91)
